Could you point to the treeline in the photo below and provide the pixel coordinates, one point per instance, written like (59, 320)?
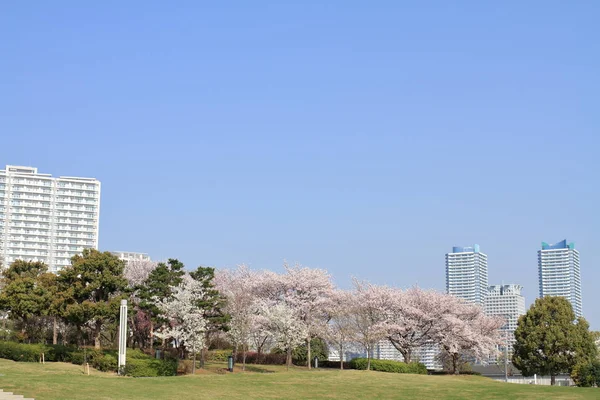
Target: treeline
(287, 313)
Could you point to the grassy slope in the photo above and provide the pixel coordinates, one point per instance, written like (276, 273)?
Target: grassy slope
(66, 381)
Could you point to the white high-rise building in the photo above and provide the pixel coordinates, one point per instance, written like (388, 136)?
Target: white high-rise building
(46, 219)
(506, 301)
(559, 274)
(467, 274)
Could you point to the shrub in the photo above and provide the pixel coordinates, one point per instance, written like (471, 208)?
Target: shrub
(60, 353)
(586, 374)
(389, 366)
(22, 352)
(333, 364)
(268, 358)
(138, 363)
(137, 367)
(104, 362)
(218, 355)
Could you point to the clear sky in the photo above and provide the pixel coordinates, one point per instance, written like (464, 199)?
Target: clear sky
(367, 138)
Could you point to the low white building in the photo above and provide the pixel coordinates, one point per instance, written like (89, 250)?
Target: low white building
(131, 256)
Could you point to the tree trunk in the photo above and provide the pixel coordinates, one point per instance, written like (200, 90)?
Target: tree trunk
(308, 351)
(97, 331)
(54, 331)
(151, 334)
(552, 380)
(341, 356)
(194, 362)
(368, 359)
(244, 357)
(259, 355)
(455, 370)
(288, 360)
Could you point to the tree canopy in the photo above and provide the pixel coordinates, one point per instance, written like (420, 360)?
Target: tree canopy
(550, 340)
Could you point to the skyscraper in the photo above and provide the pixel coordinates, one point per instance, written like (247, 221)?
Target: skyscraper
(46, 219)
(559, 274)
(507, 302)
(466, 274)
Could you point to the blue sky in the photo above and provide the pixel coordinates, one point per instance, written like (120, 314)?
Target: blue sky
(367, 138)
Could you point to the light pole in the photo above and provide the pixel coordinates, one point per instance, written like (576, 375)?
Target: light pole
(506, 355)
(122, 336)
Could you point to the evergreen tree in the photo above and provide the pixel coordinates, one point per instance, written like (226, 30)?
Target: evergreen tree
(92, 289)
(23, 295)
(550, 340)
(159, 286)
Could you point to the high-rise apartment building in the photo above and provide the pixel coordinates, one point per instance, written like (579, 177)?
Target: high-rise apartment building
(46, 219)
(466, 274)
(559, 274)
(506, 301)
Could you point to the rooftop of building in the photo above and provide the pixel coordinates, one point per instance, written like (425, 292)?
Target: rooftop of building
(467, 249)
(560, 245)
(26, 170)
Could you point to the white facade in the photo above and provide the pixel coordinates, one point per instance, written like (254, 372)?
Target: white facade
(131, 256)
(507, 302)
(559, 273)
(46, 219)
(385, 350)
(467, 274)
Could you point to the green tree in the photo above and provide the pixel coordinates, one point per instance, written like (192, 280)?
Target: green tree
(549, 340)
(318, 348)
(212, 303)
(91, 289)
(159, 285)
(23, 295)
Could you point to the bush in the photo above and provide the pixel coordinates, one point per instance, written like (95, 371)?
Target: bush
(442, 372)
(137, 367)
(138, 363)
(22, 352)
(218, 355)
(318, 348)
(265, 358)
(333, 364)
(59, 352)
(389, 366)
(586, 374)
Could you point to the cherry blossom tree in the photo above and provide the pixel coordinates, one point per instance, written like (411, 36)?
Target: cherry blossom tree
(412, 318)
(287, 328)
(239, 288)
(368, 309)
(185, 320)
(137, 271)
(464, 330)
(340, 329)
(309, 291)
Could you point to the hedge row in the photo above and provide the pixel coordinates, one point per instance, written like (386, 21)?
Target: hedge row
(138, 364)
(389, 366)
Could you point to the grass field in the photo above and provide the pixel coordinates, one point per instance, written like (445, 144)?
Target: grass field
(66, 381)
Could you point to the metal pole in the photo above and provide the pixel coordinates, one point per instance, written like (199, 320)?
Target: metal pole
(122, 336)
(506, 357)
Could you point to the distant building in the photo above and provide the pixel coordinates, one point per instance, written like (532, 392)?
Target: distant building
(384, 350)
(506, 301)
(131, 256)
(46, 219)
(467, 274)
(559, 273)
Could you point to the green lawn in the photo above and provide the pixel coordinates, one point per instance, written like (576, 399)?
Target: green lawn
(66, 381)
